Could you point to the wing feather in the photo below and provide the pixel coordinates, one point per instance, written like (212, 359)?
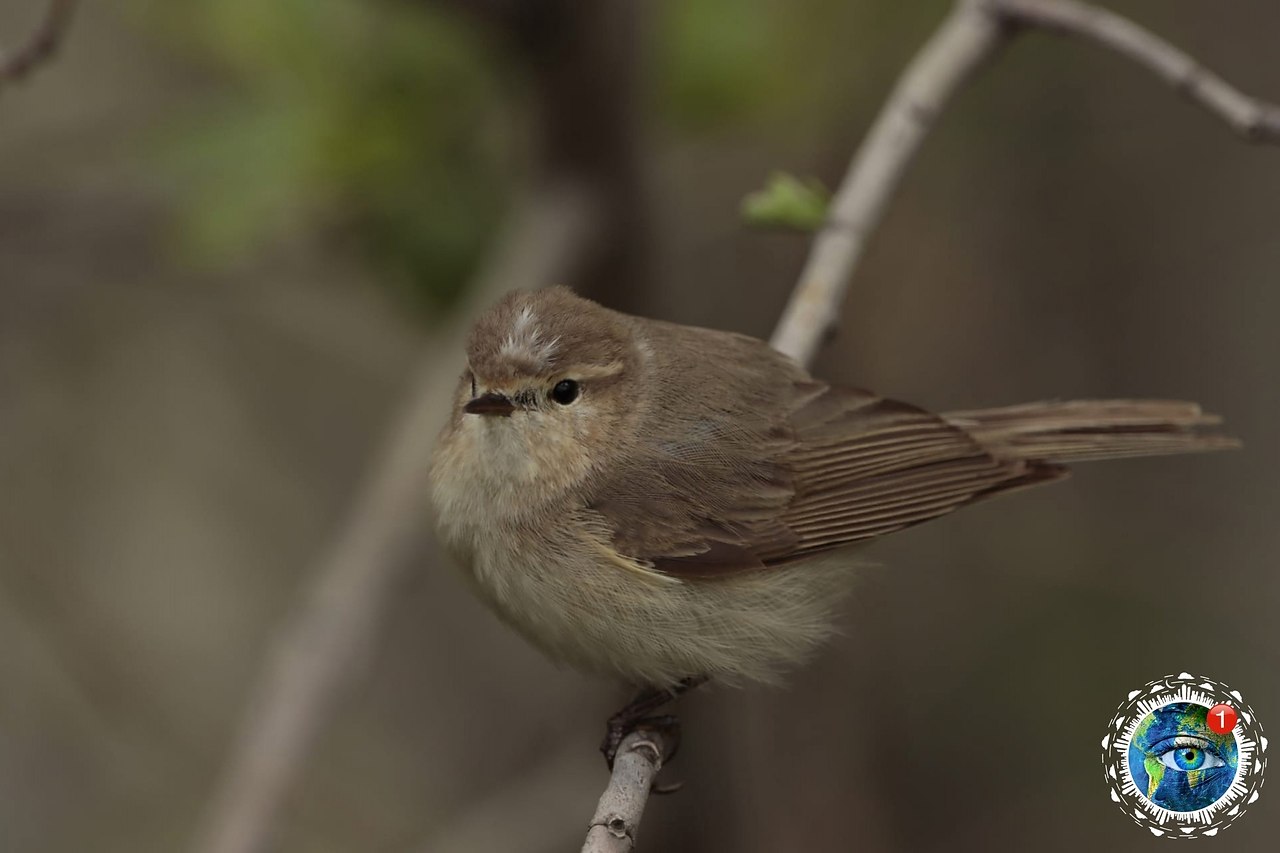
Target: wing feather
(777, 466)
(795, 467)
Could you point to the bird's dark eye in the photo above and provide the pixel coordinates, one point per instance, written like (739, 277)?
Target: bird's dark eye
(473, 385)
(565, 392)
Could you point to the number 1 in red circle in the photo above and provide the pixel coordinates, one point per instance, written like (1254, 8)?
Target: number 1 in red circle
(1222, 719)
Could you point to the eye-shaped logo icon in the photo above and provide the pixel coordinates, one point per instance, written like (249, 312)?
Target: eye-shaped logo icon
(1184, 756)
(1177, 762)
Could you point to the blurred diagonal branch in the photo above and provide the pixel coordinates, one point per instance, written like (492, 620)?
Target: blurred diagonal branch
(973, 34)
(320, 646)
(41, 45)
(581, 224)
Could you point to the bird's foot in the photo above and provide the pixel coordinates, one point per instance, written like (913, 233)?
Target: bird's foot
(620, 726)
(639, 716)
(667, 743)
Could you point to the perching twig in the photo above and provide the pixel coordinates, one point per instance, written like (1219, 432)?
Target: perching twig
(617, 817)
(974, 33)
(40, 45)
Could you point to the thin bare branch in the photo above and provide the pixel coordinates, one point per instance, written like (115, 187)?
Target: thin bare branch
(975, 32)
(616, 822)
(41, 45)
(967, 38)
(1255, 120)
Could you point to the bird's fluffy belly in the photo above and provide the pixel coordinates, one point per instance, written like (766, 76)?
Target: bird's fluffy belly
(653, 629)
(570, 594)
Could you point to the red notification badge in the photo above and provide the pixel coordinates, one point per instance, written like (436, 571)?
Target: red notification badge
(1222, 718)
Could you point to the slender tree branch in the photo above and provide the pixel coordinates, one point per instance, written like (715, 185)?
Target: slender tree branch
(41, 45)
(1255, 120)
(974, 33)
(967, 38)
(616, 822)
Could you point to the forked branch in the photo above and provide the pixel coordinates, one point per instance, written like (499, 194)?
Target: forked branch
(974, 33)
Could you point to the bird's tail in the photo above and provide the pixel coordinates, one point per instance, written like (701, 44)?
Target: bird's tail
(1084, 430)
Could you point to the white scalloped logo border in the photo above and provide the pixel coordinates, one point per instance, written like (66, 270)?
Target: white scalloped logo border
(1228, 808)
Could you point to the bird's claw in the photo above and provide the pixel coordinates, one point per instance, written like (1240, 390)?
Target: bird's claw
(619, 726)
(638, 716)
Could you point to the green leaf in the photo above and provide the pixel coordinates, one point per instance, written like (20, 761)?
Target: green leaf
(788, 202)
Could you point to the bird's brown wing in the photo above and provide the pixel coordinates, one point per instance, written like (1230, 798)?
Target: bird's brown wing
(864, 466)
(839, 466)
(703, 494)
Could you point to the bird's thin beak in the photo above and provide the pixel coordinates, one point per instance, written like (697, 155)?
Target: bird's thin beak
(491, 404)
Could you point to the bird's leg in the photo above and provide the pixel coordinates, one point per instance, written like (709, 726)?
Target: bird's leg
(638, 714)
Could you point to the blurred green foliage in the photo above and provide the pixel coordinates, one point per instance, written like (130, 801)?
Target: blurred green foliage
(774, 65)
(788, 202)
(393, 127)
(719, 61)
(376, 123)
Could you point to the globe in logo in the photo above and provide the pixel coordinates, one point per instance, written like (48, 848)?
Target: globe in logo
(1178, 762)
(1184, 756)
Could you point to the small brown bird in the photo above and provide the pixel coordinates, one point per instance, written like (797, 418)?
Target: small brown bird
(666, 503)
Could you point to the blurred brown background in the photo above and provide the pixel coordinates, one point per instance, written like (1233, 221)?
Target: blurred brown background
(229, 229)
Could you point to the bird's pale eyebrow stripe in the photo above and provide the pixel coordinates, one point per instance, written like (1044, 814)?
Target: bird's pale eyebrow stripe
(597, 371)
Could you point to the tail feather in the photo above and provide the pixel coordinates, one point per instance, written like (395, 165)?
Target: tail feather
(1085, 430)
